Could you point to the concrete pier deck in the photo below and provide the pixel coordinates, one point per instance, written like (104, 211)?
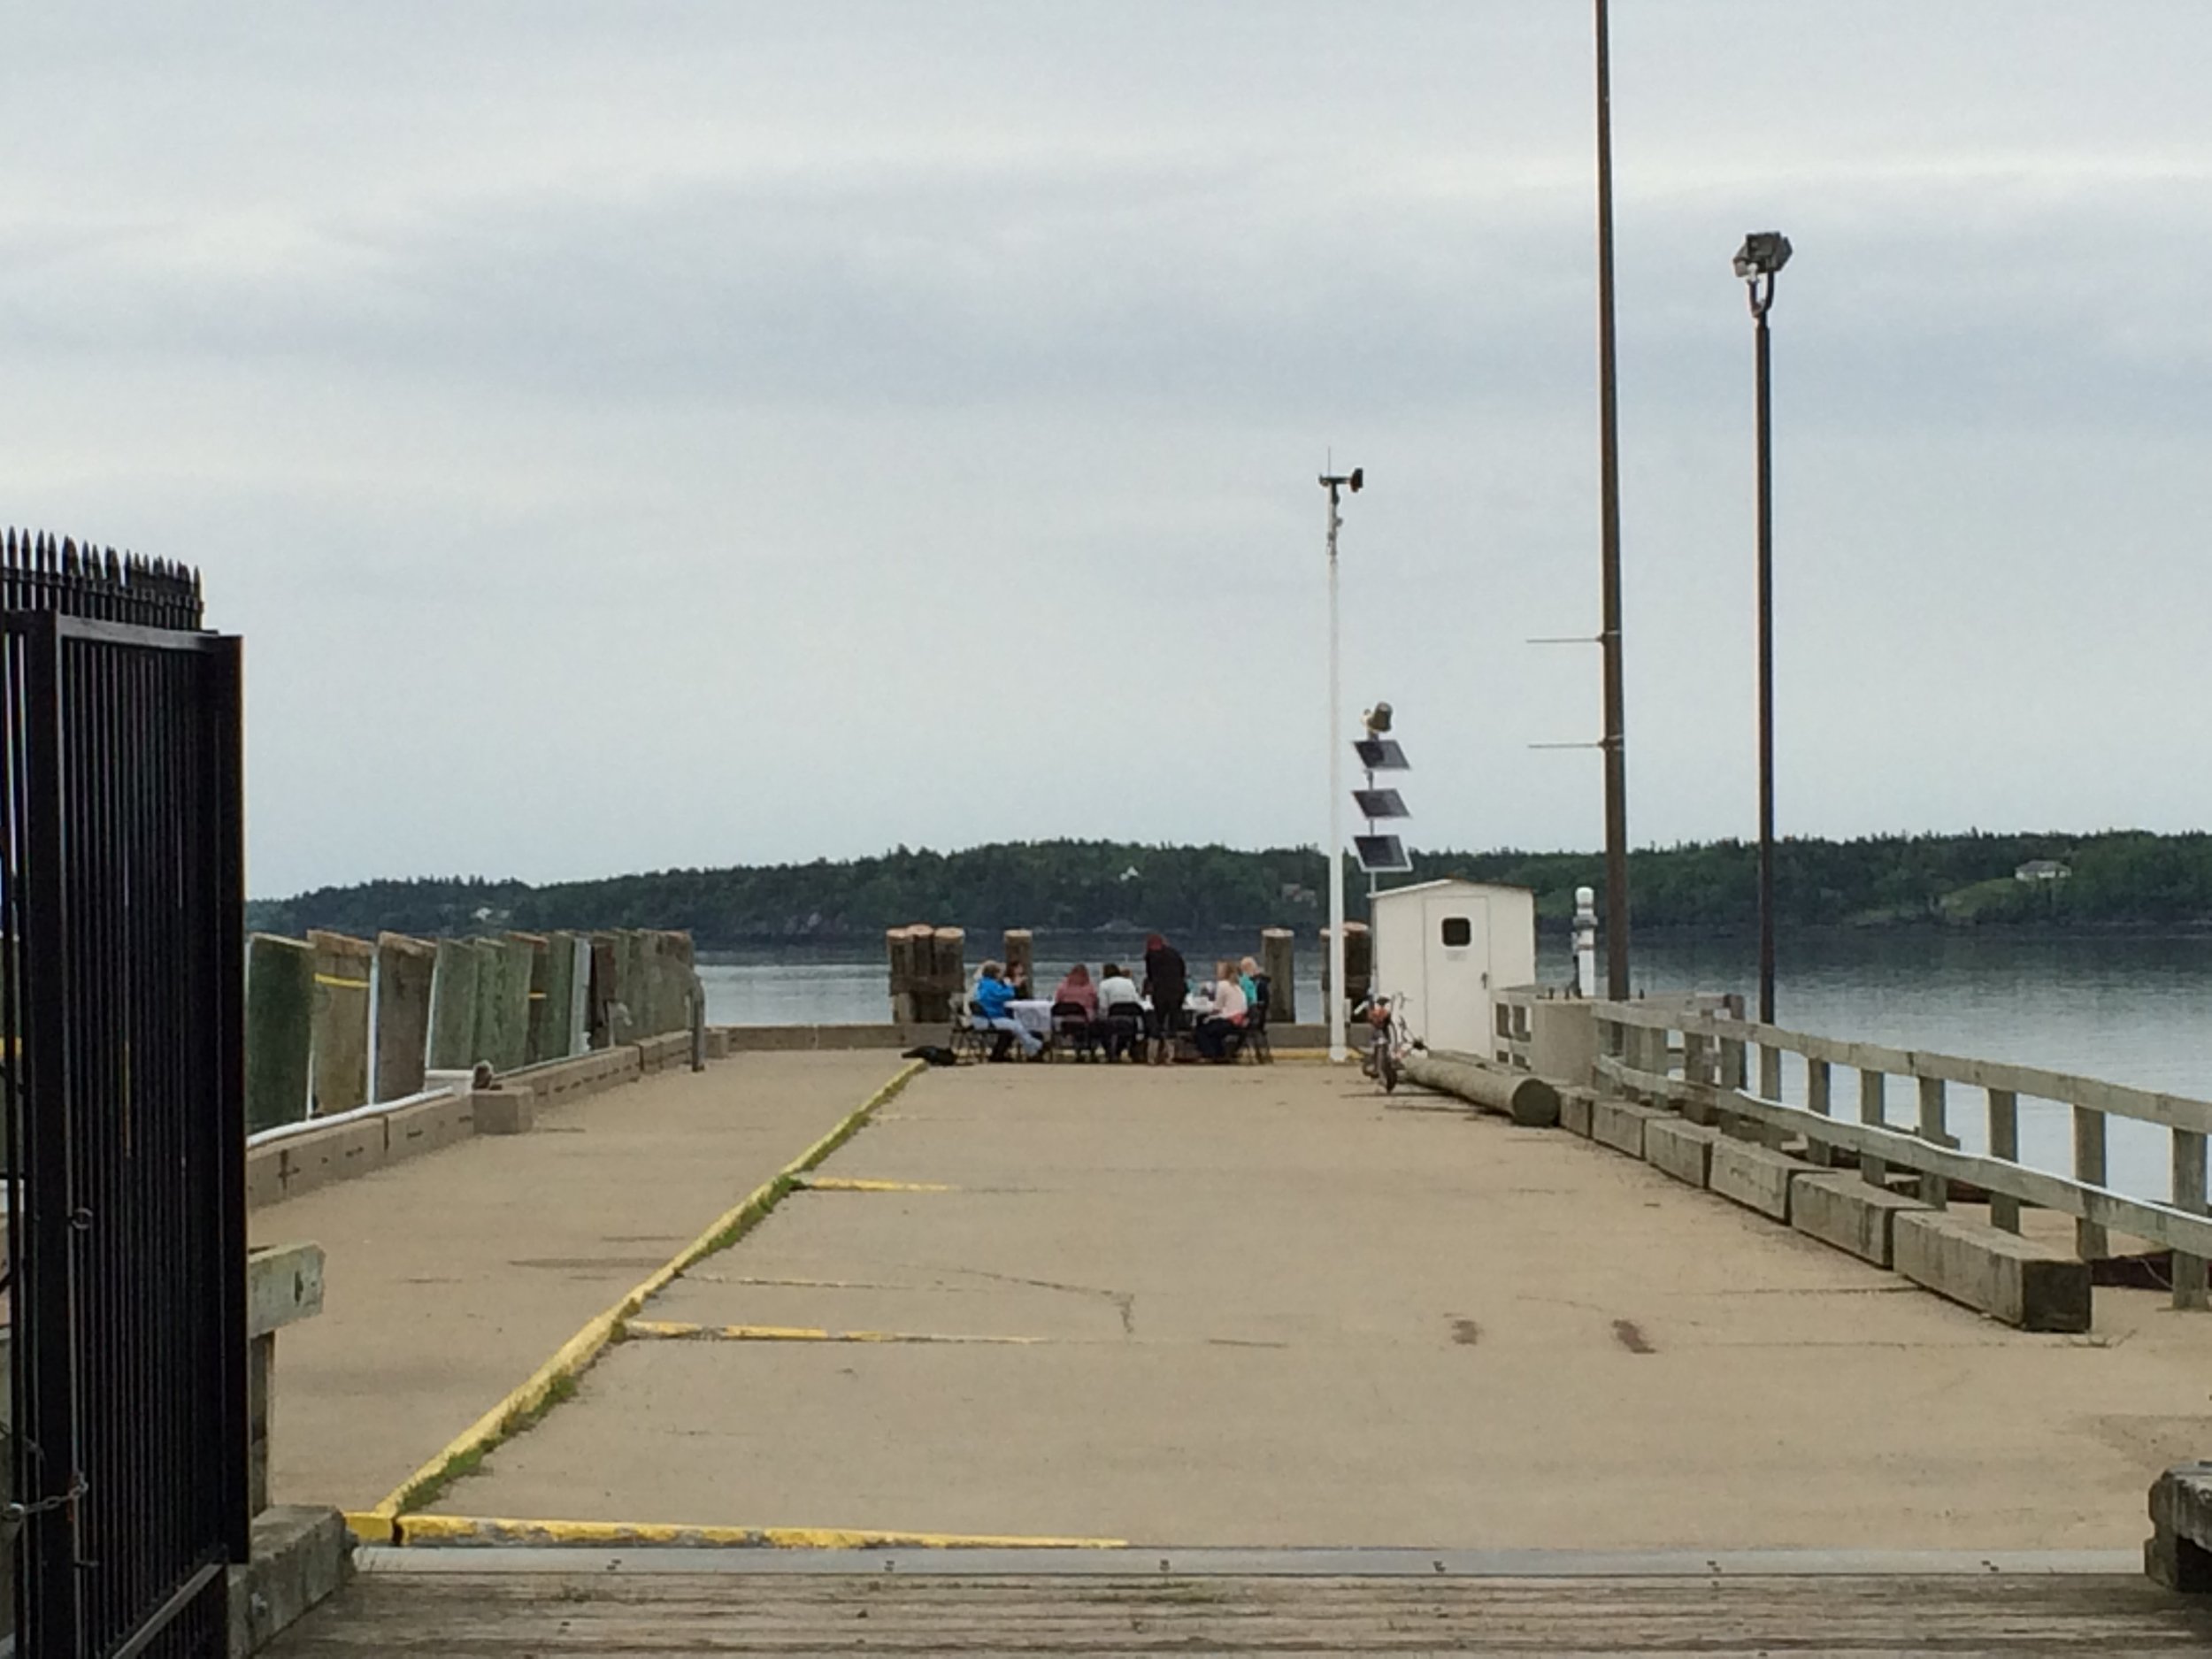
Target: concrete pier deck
(450, 1278)
(1269, 1307)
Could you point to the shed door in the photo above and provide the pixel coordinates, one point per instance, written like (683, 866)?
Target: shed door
(1456, 964)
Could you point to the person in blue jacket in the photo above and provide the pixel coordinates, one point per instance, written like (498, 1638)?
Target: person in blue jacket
(995, 995)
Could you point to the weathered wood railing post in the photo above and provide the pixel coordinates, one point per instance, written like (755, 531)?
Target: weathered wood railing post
(1871, 1085)
(2188, 1193)
(1819, 1083)
(1935, 1190)
(1769, 1071)
(2090, 1240)
(2004, 1143)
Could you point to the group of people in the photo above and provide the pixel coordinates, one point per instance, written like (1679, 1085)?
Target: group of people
(1120, 1017)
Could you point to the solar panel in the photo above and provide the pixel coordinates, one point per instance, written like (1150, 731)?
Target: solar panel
(1381, 803)
(1381, 854)
(1380, 754)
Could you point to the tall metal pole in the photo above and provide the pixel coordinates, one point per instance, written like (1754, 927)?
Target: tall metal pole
(1335, 999)
(1609, 517)
(1766, 676)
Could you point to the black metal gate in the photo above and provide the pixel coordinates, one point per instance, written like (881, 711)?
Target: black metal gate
(121, 1032)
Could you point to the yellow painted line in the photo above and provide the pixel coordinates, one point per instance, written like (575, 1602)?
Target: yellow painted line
(462, 1529)
(341, 982)
(854, 1183)
(369, 1526)
(677, 1330)
(581, 1350)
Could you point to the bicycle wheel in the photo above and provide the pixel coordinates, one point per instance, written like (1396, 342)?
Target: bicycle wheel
(1387, 1061)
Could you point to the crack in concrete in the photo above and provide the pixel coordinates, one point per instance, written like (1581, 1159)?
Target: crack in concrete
(1125, 1301)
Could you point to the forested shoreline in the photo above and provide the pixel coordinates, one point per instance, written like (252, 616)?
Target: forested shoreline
(2113, 879)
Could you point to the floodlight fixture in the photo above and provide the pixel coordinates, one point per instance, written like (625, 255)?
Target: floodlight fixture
(1377, 719)
(1764, 253)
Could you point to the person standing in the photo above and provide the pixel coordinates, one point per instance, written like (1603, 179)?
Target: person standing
(1167, 982)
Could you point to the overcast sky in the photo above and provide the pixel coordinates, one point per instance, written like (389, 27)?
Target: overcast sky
(654, 434)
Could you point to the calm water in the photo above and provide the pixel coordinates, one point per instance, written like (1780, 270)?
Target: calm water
(2131, 1010)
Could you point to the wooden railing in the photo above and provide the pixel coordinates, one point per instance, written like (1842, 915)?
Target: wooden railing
(1706, 1073)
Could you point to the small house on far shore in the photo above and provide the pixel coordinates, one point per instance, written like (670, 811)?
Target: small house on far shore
(2041, 870)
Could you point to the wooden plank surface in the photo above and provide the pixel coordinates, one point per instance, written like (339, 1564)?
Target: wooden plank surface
(612, 1615)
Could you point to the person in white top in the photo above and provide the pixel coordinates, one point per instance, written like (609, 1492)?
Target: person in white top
(1229, 1010)
(1114, 986)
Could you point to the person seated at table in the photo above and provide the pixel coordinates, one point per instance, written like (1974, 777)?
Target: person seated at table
(1075, 1013)
(1077, 988)
(1251, 979)
(1120, 1012)
(1166, 982)
(994, 995)
(1228, 1016)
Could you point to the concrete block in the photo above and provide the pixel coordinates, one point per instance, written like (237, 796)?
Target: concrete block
(2014, 1280)
(504, 1110)
(1684, 1150)
(284, 1285)
(2178, 1553)
(264, 1176)
(414, 1129)
(1620, 1123)
(1849, 1213)
(301, 1556)
(1575, 1106)
(1562, 1040)
(717, 1043)
(1754, 1176)
(336, 1154)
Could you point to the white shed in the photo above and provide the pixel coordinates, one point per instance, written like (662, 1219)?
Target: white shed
(1441, 948)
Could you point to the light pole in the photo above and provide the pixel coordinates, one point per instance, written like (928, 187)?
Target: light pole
(1764, 253)
(1334, 482)
(1609, 548)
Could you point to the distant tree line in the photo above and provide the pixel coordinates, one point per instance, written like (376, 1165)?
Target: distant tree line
(2118, 878)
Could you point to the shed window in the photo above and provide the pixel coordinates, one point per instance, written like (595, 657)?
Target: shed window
(1459, 931)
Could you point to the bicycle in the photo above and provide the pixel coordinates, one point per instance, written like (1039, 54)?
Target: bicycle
(1388, 1042)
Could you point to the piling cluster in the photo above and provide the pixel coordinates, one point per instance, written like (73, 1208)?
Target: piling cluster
(333, 1022)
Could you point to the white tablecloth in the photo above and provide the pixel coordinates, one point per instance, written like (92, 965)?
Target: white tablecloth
(1036, 1014)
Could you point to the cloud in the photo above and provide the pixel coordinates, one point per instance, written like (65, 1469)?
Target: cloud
(677, 434)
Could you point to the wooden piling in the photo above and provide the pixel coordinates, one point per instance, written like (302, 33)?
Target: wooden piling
(1359, 956)
(404, 968)
(340, 1020)
(1021, 958)
(1278, 962)
(453, 1006)
(898, 944)
(280, 1024)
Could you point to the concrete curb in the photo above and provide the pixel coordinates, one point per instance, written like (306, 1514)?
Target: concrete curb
(383, 1523)
(470, 1531)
